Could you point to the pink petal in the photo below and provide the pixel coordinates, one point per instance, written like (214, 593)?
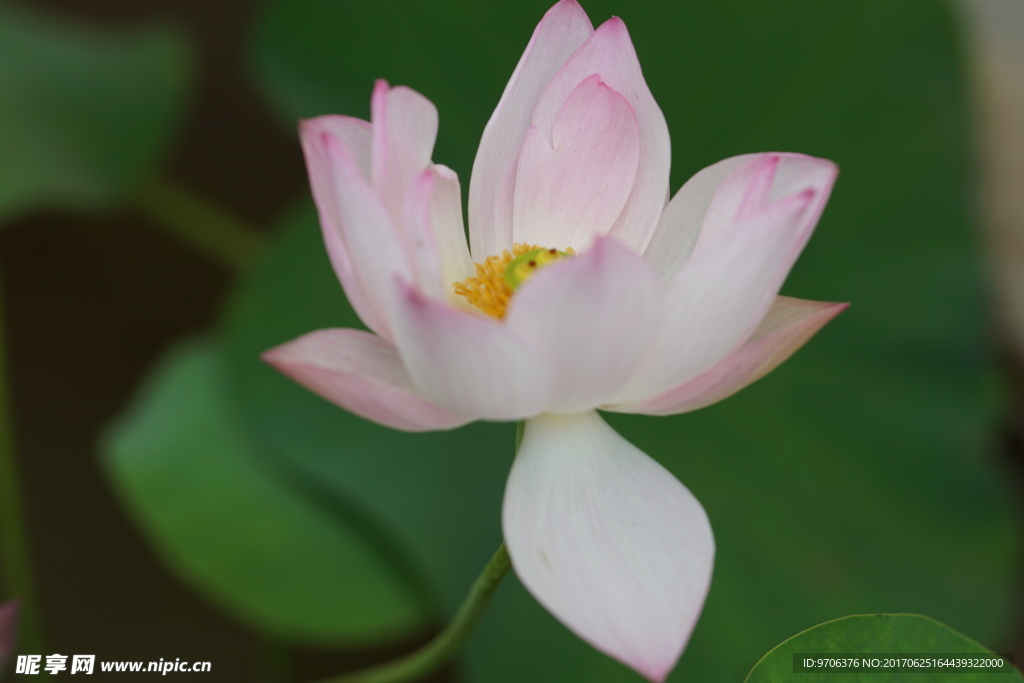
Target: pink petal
(750, 238)
(467, 364)
(418, 236)
(573, 188)
(438, 241)
(676, 235)
(594, 315)
(353, 135)
(378, 252)
(607, 540)
(609, 52)
(363, 374)
(790, 323)
(404, 131)
(563, 29)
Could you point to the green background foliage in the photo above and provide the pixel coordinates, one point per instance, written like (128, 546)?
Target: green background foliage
(86, 113)
(222, 514)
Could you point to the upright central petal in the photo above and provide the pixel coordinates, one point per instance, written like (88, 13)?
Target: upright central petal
(574, 179)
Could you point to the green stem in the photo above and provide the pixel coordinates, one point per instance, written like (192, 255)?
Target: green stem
(447, 643)
(200, 223)
(15, 566)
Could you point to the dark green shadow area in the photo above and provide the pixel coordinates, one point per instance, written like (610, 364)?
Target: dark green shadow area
(87, 114)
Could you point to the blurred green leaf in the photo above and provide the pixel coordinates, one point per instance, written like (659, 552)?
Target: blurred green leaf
(85, 113)
(876, 635)
(858, 478)
(209, 498)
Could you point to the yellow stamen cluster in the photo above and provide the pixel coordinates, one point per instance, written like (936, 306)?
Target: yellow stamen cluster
(491, 289)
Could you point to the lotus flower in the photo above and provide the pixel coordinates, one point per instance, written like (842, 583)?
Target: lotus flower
(582, 290)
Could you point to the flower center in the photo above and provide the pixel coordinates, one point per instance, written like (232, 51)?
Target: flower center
(498, 277)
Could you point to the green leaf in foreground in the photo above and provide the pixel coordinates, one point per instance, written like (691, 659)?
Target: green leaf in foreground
(874, 636)
(205, 495)
(85, 113)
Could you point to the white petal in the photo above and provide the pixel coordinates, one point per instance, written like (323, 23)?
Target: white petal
(563, 29)
(607, 540)
(790, 323)
(594, 315)
(573, 188)
(467, 364)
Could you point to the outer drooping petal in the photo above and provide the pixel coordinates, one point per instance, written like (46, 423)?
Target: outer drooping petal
(607, 540)
(363, 374)
(788, 325)
(468, 364)
(573, 187)
(610, 54)
(594, 315)
(752, 232)
(563, 29)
